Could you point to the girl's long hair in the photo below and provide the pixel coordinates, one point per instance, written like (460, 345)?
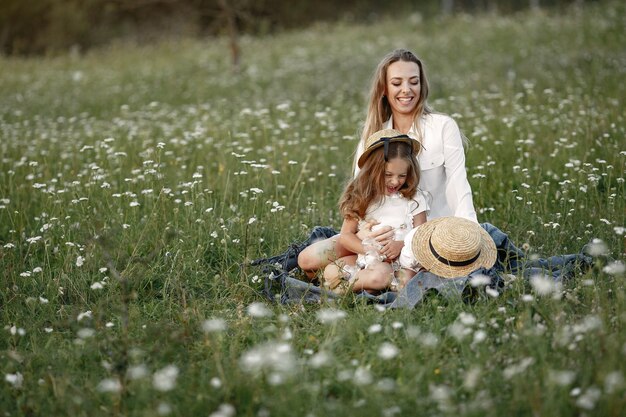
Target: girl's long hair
(368, 187)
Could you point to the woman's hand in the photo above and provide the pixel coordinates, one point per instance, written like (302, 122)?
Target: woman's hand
(383, 235)
(392, 249)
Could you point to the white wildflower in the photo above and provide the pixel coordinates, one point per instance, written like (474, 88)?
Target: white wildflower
(615, 268)
(543, 284)
(459, 331)
(518, 368)
(137, 372)
(258, 309)
(375, 328)
(492, 292)
(467, 319)
(33, 239)
(589, 398)
(429, 340)
(270, 356)
(480, 280)
(97, 285)
(165, 378)
(15, 379)
(86, 314)
(214, 325)
(479, 336)
(362, 376)
(14, 330)
(85, 333)
(387, 351)
(598, 247)
(330, 315)
(80, 261)
(224, 410)
(110, 385)
(320, 359)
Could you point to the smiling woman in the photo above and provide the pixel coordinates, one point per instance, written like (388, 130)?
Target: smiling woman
(398, 100)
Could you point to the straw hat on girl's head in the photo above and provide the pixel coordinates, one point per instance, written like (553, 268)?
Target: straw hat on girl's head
(453, 247)
(378, 139)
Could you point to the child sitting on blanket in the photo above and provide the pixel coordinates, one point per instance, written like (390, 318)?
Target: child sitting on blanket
(386, 191)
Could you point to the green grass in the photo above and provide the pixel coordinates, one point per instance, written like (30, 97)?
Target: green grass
(135, 180)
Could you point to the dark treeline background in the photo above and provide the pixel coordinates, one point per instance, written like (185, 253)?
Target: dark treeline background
(49, 26)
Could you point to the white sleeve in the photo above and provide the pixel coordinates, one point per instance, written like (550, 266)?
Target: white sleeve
(458, 190)
(419, 204)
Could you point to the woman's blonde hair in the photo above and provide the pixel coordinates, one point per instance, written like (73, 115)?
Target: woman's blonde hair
(378, 108)
(368, 187)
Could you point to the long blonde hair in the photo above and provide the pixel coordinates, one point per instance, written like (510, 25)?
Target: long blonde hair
(378, 108)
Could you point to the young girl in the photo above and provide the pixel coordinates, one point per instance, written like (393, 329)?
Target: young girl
(385, 191)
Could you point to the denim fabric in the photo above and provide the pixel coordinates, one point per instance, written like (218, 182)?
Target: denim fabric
(281, 286)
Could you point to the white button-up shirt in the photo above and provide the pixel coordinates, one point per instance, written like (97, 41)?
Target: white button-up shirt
(442, 167)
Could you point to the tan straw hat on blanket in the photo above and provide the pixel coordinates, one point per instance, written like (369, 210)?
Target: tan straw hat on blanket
(453, 247)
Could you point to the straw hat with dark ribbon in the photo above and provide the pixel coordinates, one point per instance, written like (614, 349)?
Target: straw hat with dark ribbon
(383, 138)
(453, 247)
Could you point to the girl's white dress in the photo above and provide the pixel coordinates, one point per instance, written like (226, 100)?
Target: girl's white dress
(395, 211)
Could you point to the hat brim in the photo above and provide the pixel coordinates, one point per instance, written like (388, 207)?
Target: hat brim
(423, 254)
(415, 147)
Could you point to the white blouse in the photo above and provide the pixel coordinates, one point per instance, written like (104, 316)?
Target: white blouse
(397, 212)
(442, 167)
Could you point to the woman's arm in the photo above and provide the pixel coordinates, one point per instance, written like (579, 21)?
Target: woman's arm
(392, 249)
(419, 218)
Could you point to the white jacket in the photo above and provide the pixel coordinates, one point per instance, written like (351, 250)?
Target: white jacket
(442, 167)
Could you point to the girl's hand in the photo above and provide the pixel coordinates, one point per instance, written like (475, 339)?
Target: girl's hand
(392, 249)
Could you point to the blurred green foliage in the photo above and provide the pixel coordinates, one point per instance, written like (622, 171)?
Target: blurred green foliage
(50, 26)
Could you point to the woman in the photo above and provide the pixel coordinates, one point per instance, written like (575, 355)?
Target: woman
(397, 100)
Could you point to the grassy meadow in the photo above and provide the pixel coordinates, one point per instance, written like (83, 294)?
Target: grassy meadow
(136, 180)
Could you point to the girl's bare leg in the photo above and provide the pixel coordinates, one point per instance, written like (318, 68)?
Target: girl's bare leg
(317, 256)
(404, 275)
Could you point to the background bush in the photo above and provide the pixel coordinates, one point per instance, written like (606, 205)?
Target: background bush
(40, 26)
